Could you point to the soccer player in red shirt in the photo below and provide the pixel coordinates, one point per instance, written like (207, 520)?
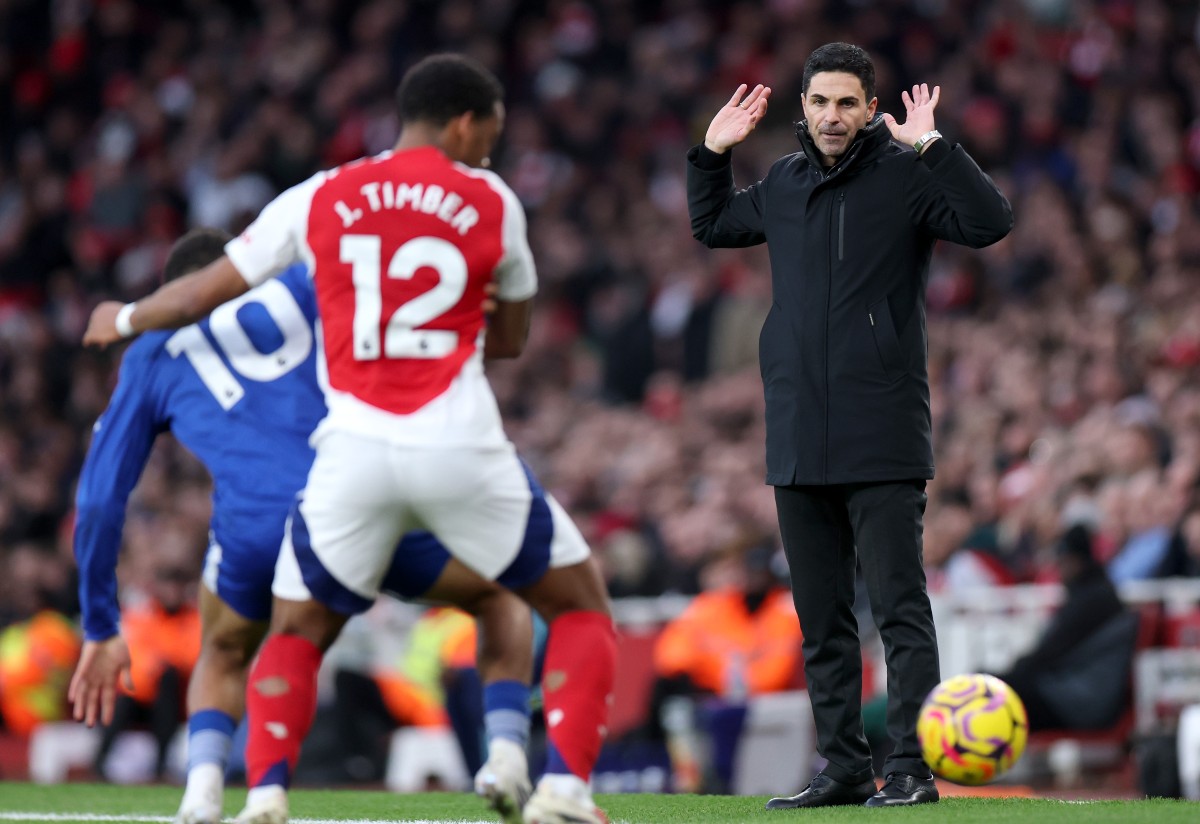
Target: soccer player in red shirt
(401, 248)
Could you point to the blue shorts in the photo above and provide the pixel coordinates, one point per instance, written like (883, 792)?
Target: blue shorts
(241, 574)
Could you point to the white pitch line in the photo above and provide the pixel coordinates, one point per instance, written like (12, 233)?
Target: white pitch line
(156, 819)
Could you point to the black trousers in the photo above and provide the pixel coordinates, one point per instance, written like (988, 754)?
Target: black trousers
(821, 527)
(163, 715)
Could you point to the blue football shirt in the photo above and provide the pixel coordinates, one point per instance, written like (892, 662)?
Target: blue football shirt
(238, 390)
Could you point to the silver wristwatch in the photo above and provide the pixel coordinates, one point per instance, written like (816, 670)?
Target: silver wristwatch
(925, 138)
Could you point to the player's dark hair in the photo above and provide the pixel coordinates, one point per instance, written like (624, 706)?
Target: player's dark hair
(841, 57)
(195, 250)
(444, 86)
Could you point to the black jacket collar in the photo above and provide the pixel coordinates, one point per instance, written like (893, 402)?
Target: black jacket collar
(868, 140)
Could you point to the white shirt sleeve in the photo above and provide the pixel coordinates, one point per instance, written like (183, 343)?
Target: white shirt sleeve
(516, 275)
(274, 240)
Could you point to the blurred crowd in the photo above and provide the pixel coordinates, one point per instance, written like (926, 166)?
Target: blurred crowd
(1063, 359)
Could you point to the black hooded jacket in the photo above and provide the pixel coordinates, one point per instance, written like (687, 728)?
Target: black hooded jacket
(843, 351)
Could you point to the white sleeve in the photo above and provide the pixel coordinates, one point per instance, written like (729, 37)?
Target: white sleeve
(516, 276)
(274, 240)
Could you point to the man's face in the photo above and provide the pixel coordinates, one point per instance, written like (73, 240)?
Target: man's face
(174, 587)
(479, 136)
(836, 107)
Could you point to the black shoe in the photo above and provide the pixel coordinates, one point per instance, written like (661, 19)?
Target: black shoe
(903, 790)
(824, 791)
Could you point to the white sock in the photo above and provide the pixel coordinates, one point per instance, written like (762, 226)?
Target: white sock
(505, 748)
(568, 785)
(205, 782)
(267, 793)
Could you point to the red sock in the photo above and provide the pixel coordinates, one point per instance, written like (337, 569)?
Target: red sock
(281, 700)
(581, 662)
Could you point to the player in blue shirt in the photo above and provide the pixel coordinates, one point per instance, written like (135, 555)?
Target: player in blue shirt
(240, 391)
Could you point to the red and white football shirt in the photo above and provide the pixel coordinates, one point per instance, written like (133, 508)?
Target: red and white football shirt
(400, 247)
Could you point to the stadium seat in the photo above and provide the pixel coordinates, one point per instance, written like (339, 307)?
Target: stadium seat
(423, 756)
(57, 748)
(1182, 630)
(778, 744)
(14, 757)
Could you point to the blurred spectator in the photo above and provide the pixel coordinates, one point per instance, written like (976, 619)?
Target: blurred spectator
(1184, 558)
(1148, 522)
(737, 639)
(162, 629)
(957, 555)
(734, 639)
(36, 659)
(1077, 675)
(39, 644)
(367, 708)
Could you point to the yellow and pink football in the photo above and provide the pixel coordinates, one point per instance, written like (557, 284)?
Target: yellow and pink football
(972, 728)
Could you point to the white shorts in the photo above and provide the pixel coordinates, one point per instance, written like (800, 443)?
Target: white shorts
(363, 495)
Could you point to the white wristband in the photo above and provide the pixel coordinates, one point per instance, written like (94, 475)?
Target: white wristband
(124, 321)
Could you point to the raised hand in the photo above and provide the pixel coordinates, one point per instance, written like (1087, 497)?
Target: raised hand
(919, 105)
(102, 326)
(93, 691)
(737, 118)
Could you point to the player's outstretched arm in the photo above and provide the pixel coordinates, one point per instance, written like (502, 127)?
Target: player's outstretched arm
(178, 303)
(93, 691)
(737, 118)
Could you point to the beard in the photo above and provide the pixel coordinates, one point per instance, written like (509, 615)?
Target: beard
(832, 144)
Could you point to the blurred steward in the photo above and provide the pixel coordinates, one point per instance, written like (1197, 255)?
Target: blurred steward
(440, 648)
(163, 632)
(737, 639)
(38, 649)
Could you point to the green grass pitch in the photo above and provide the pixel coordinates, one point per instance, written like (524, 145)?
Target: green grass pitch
(95, 804)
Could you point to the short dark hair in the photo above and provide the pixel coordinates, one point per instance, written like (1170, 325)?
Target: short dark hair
(444, 86)
(195, 250)
(841, 57)
(1076, 543)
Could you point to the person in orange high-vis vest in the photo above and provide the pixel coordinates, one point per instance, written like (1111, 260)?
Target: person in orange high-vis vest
(159, 639)
(735, 641)
(410, 693)
(36, 659)
(443, 638)
(738, 640)
(163, 635)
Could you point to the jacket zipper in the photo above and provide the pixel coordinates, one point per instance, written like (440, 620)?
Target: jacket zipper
(828, 305)
(841, 224)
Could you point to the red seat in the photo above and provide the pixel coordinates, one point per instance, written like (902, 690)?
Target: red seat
(14, 757)
(634, 680)
(1182, 630)
(1118, 734)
